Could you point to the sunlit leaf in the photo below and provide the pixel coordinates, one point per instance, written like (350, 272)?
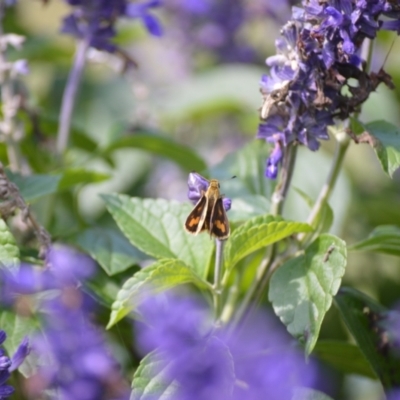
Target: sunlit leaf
(301, 290)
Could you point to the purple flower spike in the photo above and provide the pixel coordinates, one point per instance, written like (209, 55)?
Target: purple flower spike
(309, 81)
(273, 161)
(95, 20)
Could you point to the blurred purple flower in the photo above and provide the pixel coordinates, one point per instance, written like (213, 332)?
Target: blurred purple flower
(95, 20)
(8, 365)
(198, 185)
(209, 363)
(67, 267)
(76, 363)
(317, 55)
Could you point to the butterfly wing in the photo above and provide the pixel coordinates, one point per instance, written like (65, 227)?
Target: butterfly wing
(219, 224)
(195, 221)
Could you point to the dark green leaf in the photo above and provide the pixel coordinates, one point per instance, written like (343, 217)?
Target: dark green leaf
(301, 290)
(346, 357)
(110, 249)
(257, 233)
(184, 156)
(362, 316)
(75, 176)
(161, 276)
(35, 186)
(383, 239)
(9, 252)
(386, 143)
(156, 228)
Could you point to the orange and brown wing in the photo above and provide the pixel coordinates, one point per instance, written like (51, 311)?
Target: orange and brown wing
(219, 224)
(195, 222)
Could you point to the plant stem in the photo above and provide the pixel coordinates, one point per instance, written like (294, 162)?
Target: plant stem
(343, 141)
(69, 96)
(217, 293)
(278, 201)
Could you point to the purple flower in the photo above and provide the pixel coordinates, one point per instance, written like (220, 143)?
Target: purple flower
(8, 365)
(198, 185)
(317, 55)
(207, 362)
(78, 364)
(95, 20)
(67, 267)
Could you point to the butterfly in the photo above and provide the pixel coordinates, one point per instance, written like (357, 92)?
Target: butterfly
(209, 214)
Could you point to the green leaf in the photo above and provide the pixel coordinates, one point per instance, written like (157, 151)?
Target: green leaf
(362, 316)
(150, 381)
(301, 290)
(223, 88)
(248, 165)
(325, 217)
(309, 394)
(346, 357)
(383, 239)
(9, 251)
(75, 176)
(17, 328)
(33, 187)
(182, 155)
(161, 276)
(386, 143)
(246, 207)
(156, 228)
(110, 249)
(257, 233)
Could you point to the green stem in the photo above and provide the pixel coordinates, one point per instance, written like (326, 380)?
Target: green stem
(217, 292)
(343, 141)
(233, 294)
(278, 200)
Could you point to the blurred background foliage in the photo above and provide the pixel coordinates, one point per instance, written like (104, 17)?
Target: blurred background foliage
(196, 87)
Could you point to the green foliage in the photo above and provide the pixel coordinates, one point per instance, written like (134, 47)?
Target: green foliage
(163, 146)
(345, 357)
(257, 233)
(383, 239)
(75, 176)
(363, 317)
(156, 228)
(9, 251)
(110, 249)
(162, 275)
(324, 219)
(386, 143)
(301, 290)
(150, 381)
